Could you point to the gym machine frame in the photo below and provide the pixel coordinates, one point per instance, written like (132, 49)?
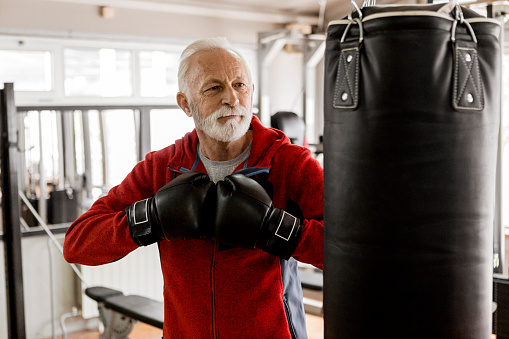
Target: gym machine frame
(313, 47)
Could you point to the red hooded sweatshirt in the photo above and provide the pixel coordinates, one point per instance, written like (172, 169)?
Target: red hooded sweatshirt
(210, 291)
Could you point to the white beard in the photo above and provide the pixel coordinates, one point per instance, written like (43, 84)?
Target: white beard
(231, 130)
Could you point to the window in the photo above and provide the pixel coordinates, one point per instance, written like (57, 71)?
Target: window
(120, 144)
(72, 72)
(168, 125)
(112, 146)
(41, 155)
(28, 70)
(158, 73)
(101, 72)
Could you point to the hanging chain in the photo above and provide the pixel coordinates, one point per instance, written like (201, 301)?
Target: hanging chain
(368, 3)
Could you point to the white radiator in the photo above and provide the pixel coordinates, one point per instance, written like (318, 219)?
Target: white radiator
(138, 273)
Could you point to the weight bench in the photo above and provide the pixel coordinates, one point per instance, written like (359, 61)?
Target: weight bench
(119, 312)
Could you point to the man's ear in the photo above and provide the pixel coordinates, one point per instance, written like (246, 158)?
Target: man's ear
(183, 103)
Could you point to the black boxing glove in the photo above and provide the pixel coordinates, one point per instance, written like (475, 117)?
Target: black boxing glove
(245, 217)
(176, 212)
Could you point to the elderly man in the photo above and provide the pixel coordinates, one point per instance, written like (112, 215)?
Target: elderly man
(232, 206)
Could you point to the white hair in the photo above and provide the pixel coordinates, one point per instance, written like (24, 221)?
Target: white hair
(203, 45)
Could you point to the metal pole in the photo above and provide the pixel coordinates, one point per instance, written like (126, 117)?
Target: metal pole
(269, 45)
(314, 49)
(11, 212)
(43, 183)
(87, 150)
(498, 228)
(143, 140)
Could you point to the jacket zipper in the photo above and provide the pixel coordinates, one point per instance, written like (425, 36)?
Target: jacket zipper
(212, 286)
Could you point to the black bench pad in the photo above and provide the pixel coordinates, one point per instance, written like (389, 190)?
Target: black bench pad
(100, 294)
(134, 306)
(137, 307)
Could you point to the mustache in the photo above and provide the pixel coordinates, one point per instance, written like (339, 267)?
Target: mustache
(226, 111)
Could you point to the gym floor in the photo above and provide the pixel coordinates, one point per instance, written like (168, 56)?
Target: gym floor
(144, 331)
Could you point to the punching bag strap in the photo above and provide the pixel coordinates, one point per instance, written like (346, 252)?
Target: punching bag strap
(467, 88)
(346, 89)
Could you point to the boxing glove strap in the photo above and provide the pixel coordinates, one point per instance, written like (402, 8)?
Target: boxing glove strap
(140, 224)
(283, 233)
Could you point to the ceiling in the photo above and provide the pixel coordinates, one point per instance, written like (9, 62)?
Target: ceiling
(299, 7)
(278, 11)
(309, 12)
(315, 13)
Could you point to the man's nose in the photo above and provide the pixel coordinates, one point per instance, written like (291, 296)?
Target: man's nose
(230, 97)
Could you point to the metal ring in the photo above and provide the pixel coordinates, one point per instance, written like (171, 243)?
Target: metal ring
(471, 30)
(469, 27)
(361, 31)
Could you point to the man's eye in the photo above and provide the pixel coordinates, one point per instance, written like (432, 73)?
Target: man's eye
(214, 88)
(240, 84)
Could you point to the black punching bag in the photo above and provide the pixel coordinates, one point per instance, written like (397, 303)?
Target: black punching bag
(412, 107)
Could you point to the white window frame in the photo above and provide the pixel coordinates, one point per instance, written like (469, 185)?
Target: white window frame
(56, 47)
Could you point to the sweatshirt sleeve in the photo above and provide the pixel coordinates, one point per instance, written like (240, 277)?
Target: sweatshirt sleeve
(303, 184)
(308, 193)
(101, 234)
